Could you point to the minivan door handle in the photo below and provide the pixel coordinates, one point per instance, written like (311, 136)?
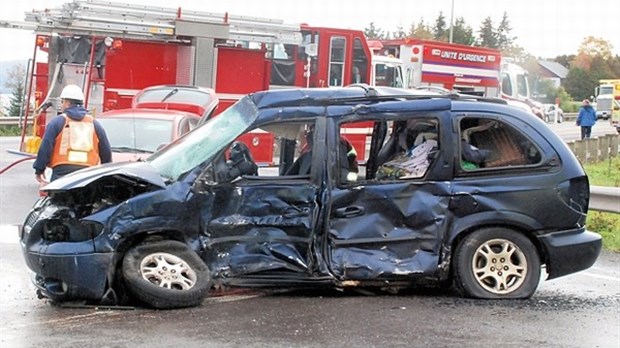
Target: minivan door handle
(349, 212)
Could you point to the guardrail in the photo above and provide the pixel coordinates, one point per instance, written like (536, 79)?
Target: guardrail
(570, 116)
(12, 120)
(605, 199)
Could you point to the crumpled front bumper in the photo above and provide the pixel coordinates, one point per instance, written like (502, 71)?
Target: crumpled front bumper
(70, 277)
(63, 270)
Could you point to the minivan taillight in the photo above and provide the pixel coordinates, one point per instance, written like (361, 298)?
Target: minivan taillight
(575, 193)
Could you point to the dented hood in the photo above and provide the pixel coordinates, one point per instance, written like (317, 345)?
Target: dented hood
(136, 170)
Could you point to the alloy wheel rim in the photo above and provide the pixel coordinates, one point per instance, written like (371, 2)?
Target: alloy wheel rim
(167, 271)
(499, 266)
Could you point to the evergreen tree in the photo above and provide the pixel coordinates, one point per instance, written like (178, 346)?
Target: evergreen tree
(15, 81)
(399, 33)
(487, 35)
(420, 31)
(373, 33)
(16, 101)
(440, 33)
(462, 33)
(504, 40)
(411, 32)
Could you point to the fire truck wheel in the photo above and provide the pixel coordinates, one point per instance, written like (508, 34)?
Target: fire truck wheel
(166, 274)
(496, 263)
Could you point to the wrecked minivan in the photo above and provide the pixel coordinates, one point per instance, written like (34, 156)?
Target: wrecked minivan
(370, 187)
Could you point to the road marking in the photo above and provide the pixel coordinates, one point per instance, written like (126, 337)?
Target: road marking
(9, 234)
(232, 298)
(600, 276)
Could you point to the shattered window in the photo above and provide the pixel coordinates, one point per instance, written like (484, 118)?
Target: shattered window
(275, 150)
(489, 143)
(387, 150)
(293, 149)
(295, 154)
(352, 153)
(204, 142)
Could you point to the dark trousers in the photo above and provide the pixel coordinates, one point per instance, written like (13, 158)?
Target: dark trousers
(586, 131)
(64, 169)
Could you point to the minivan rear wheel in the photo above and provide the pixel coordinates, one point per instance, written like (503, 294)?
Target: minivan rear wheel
(166, 274)
(495, 263)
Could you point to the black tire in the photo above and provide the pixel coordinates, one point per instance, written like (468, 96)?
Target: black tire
(496, 263)
(166, 274)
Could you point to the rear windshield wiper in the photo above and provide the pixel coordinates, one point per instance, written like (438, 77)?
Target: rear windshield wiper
(170, 94)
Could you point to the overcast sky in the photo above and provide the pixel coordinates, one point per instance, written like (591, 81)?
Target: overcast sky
(545, 28)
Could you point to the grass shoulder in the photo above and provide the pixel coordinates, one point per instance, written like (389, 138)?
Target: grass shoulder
(605, 173)
(10, 131)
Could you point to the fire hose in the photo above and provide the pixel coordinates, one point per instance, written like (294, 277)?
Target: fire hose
(16, 163)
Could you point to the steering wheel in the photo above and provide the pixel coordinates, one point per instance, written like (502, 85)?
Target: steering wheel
(241, 158)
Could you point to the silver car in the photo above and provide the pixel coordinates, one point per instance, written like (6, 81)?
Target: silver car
(550, 110)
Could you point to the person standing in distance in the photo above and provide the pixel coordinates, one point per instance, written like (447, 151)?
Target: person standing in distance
(586, 119)
(73, 140)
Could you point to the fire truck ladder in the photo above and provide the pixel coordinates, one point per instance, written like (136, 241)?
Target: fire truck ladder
(100, 19)
(106, 18)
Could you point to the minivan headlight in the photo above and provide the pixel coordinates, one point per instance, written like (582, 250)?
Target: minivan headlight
(58, 230)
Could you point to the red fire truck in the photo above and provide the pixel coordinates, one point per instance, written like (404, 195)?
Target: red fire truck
(114, 50)
(473, 70)
(451, 66)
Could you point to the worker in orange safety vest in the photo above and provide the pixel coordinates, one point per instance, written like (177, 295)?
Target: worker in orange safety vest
(73, 140)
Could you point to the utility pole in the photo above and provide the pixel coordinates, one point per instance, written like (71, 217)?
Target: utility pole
(452, 21)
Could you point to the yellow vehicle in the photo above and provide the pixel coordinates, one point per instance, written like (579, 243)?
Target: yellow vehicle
(608, 101)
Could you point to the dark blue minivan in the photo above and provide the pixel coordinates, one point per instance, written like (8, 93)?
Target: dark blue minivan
(369, 187)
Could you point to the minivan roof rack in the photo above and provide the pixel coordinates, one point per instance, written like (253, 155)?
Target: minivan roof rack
(409, 94)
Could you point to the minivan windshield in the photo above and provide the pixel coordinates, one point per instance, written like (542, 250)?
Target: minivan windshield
(204, 142)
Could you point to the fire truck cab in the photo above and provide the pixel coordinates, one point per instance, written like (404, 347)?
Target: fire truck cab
(515, 88)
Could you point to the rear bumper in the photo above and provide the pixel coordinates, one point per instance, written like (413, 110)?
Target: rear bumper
(570, 251)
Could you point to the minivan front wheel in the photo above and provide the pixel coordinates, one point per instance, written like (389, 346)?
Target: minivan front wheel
(166, 274)
(495, 263)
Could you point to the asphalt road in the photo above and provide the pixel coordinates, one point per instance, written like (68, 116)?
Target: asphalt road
(579, 310)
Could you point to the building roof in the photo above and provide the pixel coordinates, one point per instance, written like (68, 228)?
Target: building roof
(554, 69)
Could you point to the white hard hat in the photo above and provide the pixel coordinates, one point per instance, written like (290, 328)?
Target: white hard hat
(72, 92)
